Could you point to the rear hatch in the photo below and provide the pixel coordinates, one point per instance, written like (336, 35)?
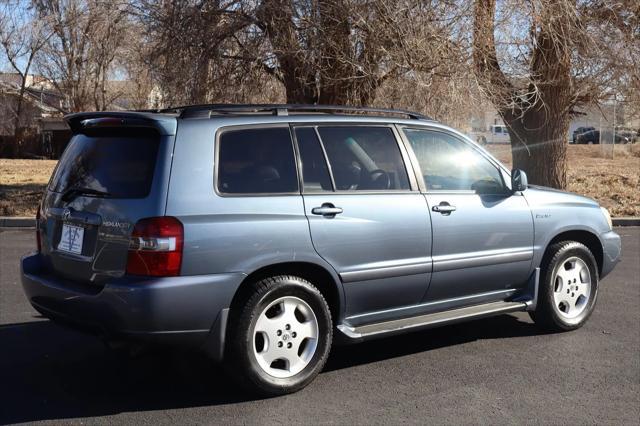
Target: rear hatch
(114, 172)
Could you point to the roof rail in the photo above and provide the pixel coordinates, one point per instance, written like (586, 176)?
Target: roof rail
(207, 110)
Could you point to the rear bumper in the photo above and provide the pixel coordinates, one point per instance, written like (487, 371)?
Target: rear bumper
(612, 251)
(186, 309)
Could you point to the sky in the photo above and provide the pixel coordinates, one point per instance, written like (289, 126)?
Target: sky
(20, 11)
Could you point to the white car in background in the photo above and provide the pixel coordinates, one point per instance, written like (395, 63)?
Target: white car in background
(496, 133)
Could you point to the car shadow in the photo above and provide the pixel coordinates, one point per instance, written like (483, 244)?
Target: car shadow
(48, 372)
(498, 327)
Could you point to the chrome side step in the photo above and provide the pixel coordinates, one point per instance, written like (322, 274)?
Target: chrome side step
(431, 320)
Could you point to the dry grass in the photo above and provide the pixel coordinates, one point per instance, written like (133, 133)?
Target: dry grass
(615, 183)
(21, 185)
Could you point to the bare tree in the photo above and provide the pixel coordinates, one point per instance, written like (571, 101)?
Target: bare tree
(22, 37)
(107, 39)
(87, 36)
(137, 70)
(193, 54)
(437, 79)
(539, 76)
(342, 51)
(325, 51)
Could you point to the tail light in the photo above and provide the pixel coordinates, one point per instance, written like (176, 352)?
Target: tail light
(155, 248)
(38, 236)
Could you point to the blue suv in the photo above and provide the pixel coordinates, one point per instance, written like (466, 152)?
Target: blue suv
(264, 233)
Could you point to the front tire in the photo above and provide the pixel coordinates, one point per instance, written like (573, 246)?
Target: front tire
(568, 287)
(280, 337)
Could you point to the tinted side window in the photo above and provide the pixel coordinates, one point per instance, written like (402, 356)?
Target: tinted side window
(450, 164)
(122, 165)
(364, 158)
(256, 161)
(314, 167)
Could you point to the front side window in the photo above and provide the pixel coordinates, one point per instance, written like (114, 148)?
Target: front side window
(364, 158)
(449, 164)
(256, 161)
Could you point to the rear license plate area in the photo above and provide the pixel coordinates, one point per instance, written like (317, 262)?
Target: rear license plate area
(71, 239)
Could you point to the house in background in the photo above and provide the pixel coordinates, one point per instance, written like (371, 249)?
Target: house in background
(33, 81)
(41, 131)
(36, 103)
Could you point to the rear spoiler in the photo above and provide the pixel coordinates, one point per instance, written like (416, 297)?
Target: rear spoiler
(165, 124)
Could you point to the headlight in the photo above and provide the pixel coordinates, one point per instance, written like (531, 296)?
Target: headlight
(607, 216)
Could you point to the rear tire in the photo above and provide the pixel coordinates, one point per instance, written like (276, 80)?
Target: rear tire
(280, 336)
(568, 287)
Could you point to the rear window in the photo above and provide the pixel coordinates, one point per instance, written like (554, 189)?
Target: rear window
(364, 158)
(122, 166)
(257, 161)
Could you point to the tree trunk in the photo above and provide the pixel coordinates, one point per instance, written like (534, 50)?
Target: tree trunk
(537, 116)
(299, 87)
(539, 146)
(23, 88)
(16, 123)
(324, 72)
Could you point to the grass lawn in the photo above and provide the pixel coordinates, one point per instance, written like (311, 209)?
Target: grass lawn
(21, 185)
(615, 183)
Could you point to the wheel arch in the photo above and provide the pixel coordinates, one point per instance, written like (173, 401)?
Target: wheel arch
(589, 239)
(325, 280)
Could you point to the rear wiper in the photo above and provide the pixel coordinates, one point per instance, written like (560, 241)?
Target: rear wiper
(74, 192)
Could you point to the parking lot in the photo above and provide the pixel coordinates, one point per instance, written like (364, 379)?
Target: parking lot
(497, 370)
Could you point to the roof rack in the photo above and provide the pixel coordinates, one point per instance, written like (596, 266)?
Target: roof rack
(207, 110)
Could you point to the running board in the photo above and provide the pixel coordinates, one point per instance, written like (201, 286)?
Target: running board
(431, 320)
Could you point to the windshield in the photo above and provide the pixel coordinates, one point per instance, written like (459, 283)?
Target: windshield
(121, 166)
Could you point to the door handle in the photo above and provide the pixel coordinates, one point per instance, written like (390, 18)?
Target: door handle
(444, 208)
(327, 210)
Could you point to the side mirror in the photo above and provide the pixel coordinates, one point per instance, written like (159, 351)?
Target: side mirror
(518, 180)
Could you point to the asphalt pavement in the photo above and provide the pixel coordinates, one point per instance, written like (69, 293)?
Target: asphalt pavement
(498, 370)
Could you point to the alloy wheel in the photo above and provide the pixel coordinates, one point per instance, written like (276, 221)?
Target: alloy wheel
(572, 288)
(285, 337)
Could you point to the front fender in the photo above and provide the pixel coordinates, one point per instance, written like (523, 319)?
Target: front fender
(555, 212)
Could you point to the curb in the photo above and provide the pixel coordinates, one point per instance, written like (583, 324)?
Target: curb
(626, 221)
(17, 222)
(29, 222)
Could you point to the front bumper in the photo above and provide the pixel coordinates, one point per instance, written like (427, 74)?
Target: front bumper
(611, 252)
(185, 309)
